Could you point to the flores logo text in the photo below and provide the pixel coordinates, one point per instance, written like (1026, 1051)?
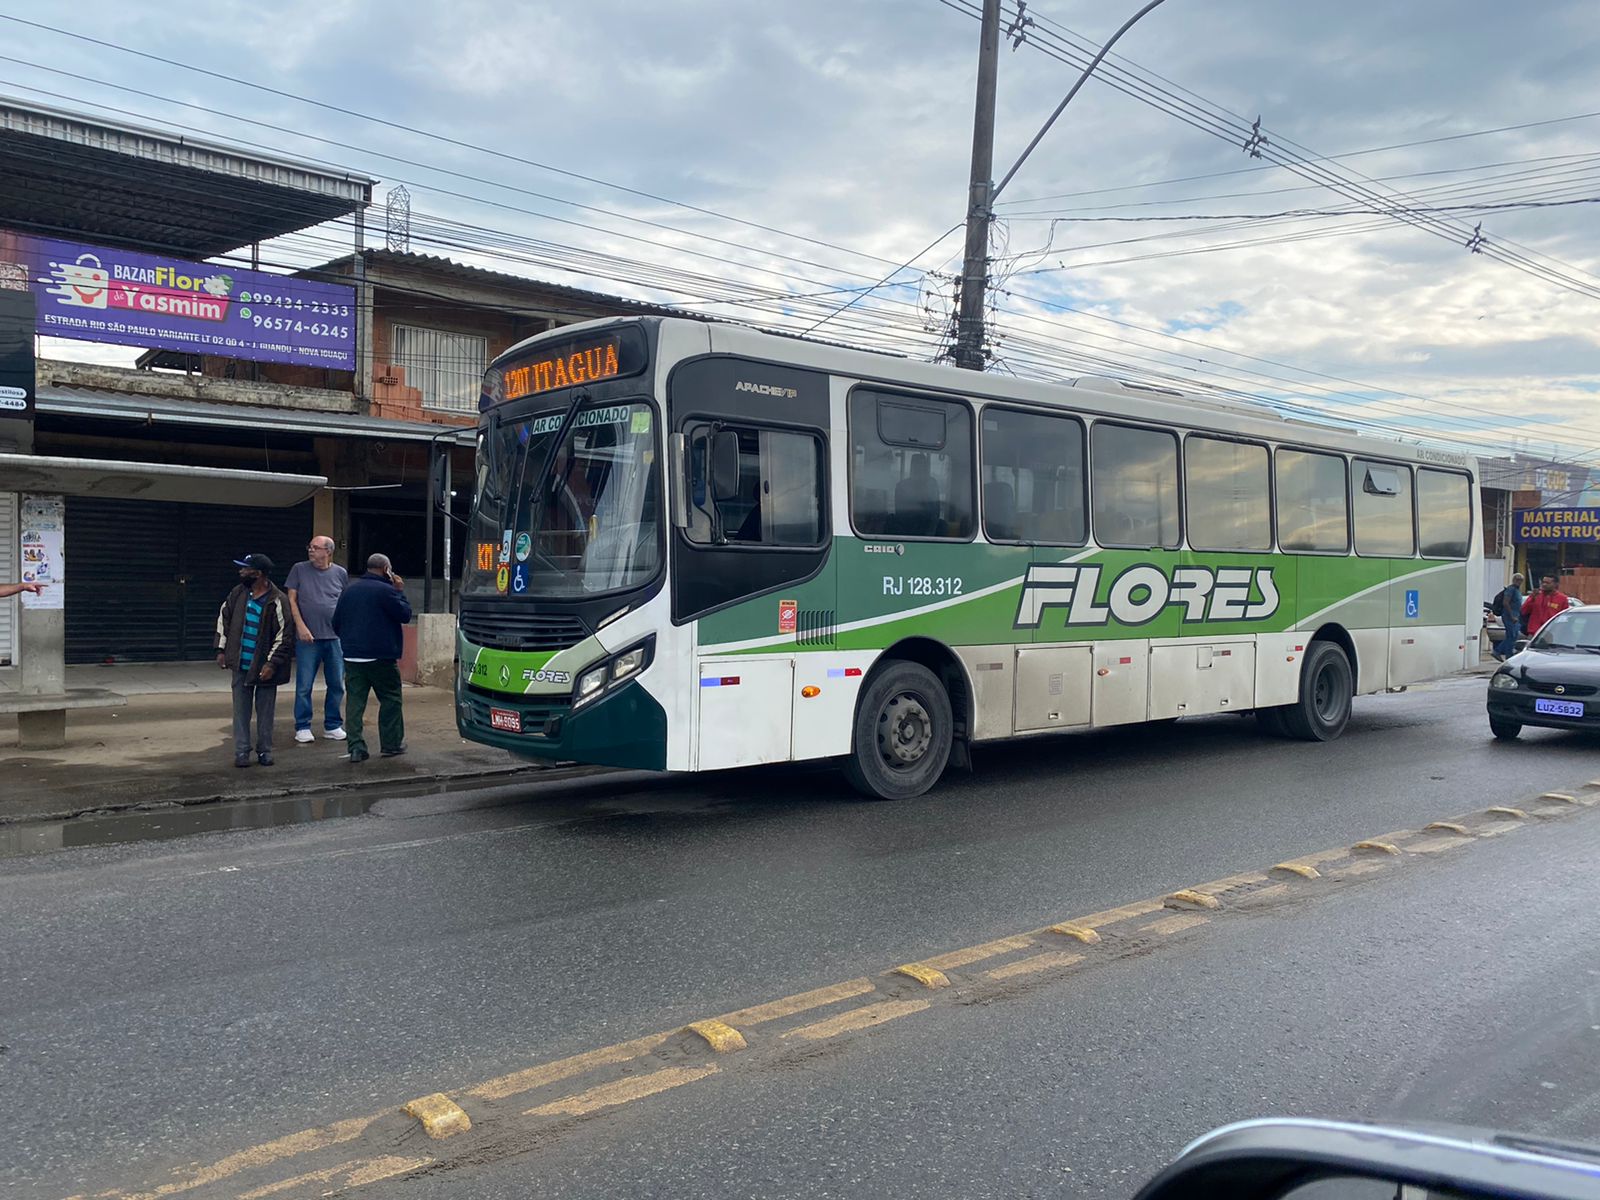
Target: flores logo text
(1141, 593)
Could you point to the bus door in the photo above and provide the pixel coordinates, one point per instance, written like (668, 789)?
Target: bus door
(750, 564)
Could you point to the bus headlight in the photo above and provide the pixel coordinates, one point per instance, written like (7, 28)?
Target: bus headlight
(1505, 683)
(627, 664)
(617, 669)
(589, 685)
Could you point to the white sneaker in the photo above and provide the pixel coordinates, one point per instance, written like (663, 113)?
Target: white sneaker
(302, 735)
(334, 735)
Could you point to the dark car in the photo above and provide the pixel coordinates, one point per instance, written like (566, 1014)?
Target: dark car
(1554, 682)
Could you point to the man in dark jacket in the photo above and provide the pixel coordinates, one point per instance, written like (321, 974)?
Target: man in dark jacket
(368, 619)
(255, 642)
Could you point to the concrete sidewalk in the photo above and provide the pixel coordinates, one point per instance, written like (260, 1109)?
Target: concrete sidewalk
(165, 748)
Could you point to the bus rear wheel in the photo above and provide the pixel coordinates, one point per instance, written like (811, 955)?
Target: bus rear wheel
(903, 732)
(1326, 690)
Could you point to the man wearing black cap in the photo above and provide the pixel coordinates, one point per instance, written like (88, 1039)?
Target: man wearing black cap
(255, 642)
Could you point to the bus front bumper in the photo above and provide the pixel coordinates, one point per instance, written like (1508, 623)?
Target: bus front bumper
(625, 728)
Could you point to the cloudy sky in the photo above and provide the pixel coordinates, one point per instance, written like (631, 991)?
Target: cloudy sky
(769, 161)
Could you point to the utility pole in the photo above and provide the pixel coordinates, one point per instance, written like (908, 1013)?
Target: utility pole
(983, 192)
(975, 269)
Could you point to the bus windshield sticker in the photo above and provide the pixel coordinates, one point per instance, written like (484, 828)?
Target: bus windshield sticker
(1141, 593)
(615, 415)
(524, 546)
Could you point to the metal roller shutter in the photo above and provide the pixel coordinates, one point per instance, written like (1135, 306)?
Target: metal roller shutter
(147, 577)
(8, 574)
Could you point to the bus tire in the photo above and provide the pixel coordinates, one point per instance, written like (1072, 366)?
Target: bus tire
(902, 735)
(1326, 691)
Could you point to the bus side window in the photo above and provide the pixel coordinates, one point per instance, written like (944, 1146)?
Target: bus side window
(1384, 527)
(1313, 502)
(1135, 486)
(910, 467)
(780, 494)
(1444, 513)
(1033, 483)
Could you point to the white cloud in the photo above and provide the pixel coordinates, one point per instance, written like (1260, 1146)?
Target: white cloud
(849, 123)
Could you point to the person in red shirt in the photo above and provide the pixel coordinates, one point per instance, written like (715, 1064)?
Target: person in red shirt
(1538, 608)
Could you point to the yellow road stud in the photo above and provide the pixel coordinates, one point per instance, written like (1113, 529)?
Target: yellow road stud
(441, 1116)
(720, 1036)
(926, 976)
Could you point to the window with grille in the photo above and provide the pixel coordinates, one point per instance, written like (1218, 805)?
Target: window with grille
(447, 368)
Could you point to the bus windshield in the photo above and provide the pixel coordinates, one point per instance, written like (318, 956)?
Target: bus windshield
(589, 524)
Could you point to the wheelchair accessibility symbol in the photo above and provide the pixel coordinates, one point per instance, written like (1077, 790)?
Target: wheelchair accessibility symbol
(519, 579)
(1413, 605)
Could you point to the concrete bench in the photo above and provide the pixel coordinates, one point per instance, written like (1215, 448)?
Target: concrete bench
(42, 716)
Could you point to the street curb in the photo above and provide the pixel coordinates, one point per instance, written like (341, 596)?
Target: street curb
(497, 774)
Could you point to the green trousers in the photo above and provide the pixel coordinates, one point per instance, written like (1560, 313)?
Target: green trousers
(383, 679)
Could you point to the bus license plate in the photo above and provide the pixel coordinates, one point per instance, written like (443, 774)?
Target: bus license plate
(511, 722)
(1559, 708)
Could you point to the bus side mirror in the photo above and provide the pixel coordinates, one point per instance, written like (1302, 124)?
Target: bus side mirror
(724, 465)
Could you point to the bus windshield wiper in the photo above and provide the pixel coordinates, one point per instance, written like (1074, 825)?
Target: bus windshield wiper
(542, 487)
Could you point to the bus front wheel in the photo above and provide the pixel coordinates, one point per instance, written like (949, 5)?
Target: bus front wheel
(903, 732)
(1326, 690)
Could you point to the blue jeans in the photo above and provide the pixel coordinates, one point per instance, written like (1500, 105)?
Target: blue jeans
(1508, 644)
(307, 655)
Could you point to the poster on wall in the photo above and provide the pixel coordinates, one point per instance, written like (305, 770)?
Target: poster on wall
(42, 522)
(101, 294)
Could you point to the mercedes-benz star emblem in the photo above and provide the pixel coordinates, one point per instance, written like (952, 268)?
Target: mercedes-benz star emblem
(505, 673)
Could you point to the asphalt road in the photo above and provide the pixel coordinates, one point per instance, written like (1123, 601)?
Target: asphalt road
(166, 1003)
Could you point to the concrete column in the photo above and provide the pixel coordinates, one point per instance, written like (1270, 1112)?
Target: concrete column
(42, 648)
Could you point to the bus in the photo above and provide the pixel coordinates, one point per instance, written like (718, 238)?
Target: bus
(696, 546)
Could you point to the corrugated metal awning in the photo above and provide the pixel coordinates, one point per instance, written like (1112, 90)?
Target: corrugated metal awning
(166, 410)
(154, 481)
(72, 175)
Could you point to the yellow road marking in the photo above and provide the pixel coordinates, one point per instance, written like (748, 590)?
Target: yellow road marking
(258, 1156)
(719, 1035)
(347, 1175)
(1174, 924)
(1303, 870)
(1217, 886)
(972, 954)
(535, 1077)
(441, 1116)
(1366, 868)
(859, 1018)
(1435, 845)
(1072, 929)
(923, 974)
(799, 1003)
(1082, 929)
(1111, 916)
(1048, 961)
(609, 1095)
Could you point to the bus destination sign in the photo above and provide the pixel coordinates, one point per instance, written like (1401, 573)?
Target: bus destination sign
(571, 366)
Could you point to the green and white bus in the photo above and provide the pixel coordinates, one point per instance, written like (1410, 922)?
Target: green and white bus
(696, 546)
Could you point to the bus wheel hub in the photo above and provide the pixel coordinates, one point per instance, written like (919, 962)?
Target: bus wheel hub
(905, 731)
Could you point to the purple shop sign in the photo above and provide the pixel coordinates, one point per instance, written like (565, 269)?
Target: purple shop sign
(100, 294)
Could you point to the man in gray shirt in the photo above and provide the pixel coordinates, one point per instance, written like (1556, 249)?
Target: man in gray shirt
(314, 589)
